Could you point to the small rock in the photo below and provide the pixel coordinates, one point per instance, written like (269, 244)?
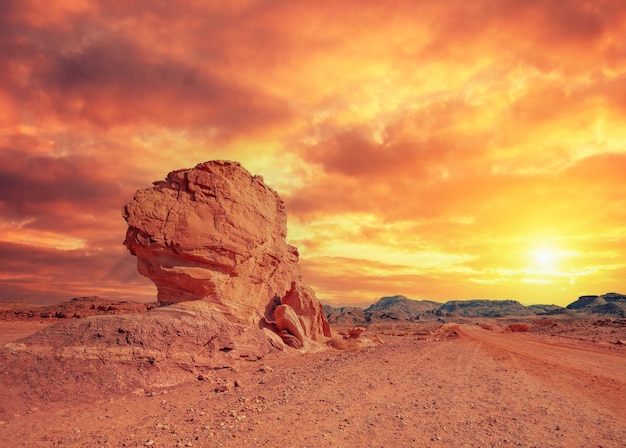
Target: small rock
(356, 332)
(222, 388)
(149, 443)
(201, 377)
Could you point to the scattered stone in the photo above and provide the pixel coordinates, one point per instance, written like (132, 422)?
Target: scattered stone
(354, 333)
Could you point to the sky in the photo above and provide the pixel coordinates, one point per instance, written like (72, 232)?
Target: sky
(442, 150)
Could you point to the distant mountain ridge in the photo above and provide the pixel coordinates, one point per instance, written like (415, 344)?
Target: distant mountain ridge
(395, 307)
(611, 303)
(486, 308)
(401, 308)
(344, 314)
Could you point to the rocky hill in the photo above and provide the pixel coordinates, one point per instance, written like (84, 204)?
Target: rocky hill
(485, 308)
(547, 309)
(611, 304)
(386, 308)
(344, 315)
(401, 308)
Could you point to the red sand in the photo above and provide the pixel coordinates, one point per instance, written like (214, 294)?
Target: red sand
(459, 386)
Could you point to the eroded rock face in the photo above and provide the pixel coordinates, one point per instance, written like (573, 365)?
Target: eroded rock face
(218, 234)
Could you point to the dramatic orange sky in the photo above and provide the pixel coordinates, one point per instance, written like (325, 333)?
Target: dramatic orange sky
(443, 150)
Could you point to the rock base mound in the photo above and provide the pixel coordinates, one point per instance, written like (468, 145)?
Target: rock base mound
(162, 347)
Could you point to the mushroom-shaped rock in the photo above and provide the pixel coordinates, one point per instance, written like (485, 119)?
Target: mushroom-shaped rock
(218, 234)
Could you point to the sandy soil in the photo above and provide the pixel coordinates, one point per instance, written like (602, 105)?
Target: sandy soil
(459, 385)
(12, 331)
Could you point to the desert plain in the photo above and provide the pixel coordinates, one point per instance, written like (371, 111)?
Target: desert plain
(556, 381)
(237, 351)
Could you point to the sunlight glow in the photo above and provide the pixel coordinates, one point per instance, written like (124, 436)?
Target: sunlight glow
(18, 234)
(545, 257)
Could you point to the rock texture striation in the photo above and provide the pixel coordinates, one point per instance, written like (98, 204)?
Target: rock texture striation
(216, 233)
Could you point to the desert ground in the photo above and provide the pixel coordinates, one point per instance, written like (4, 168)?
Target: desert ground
(562, 383)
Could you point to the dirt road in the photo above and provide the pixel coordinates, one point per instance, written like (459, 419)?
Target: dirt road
(594, 372)
(469, 387)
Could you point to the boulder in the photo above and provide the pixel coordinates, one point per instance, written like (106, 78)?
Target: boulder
(215, 233)
(213, 240)
(287, 323)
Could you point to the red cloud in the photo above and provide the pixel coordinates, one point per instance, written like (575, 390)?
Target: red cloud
(48, 275)
(466, 124)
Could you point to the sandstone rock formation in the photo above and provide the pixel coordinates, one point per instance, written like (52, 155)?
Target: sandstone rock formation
(216, 233)
(212, 238)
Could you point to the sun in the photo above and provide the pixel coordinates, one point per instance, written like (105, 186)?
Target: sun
(545, 257)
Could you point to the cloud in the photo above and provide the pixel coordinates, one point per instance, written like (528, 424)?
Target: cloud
(449, 134)
(106, 76)
(69, 195)
(348, 280)
(113, 82)
(488, 220)
(48, 275)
